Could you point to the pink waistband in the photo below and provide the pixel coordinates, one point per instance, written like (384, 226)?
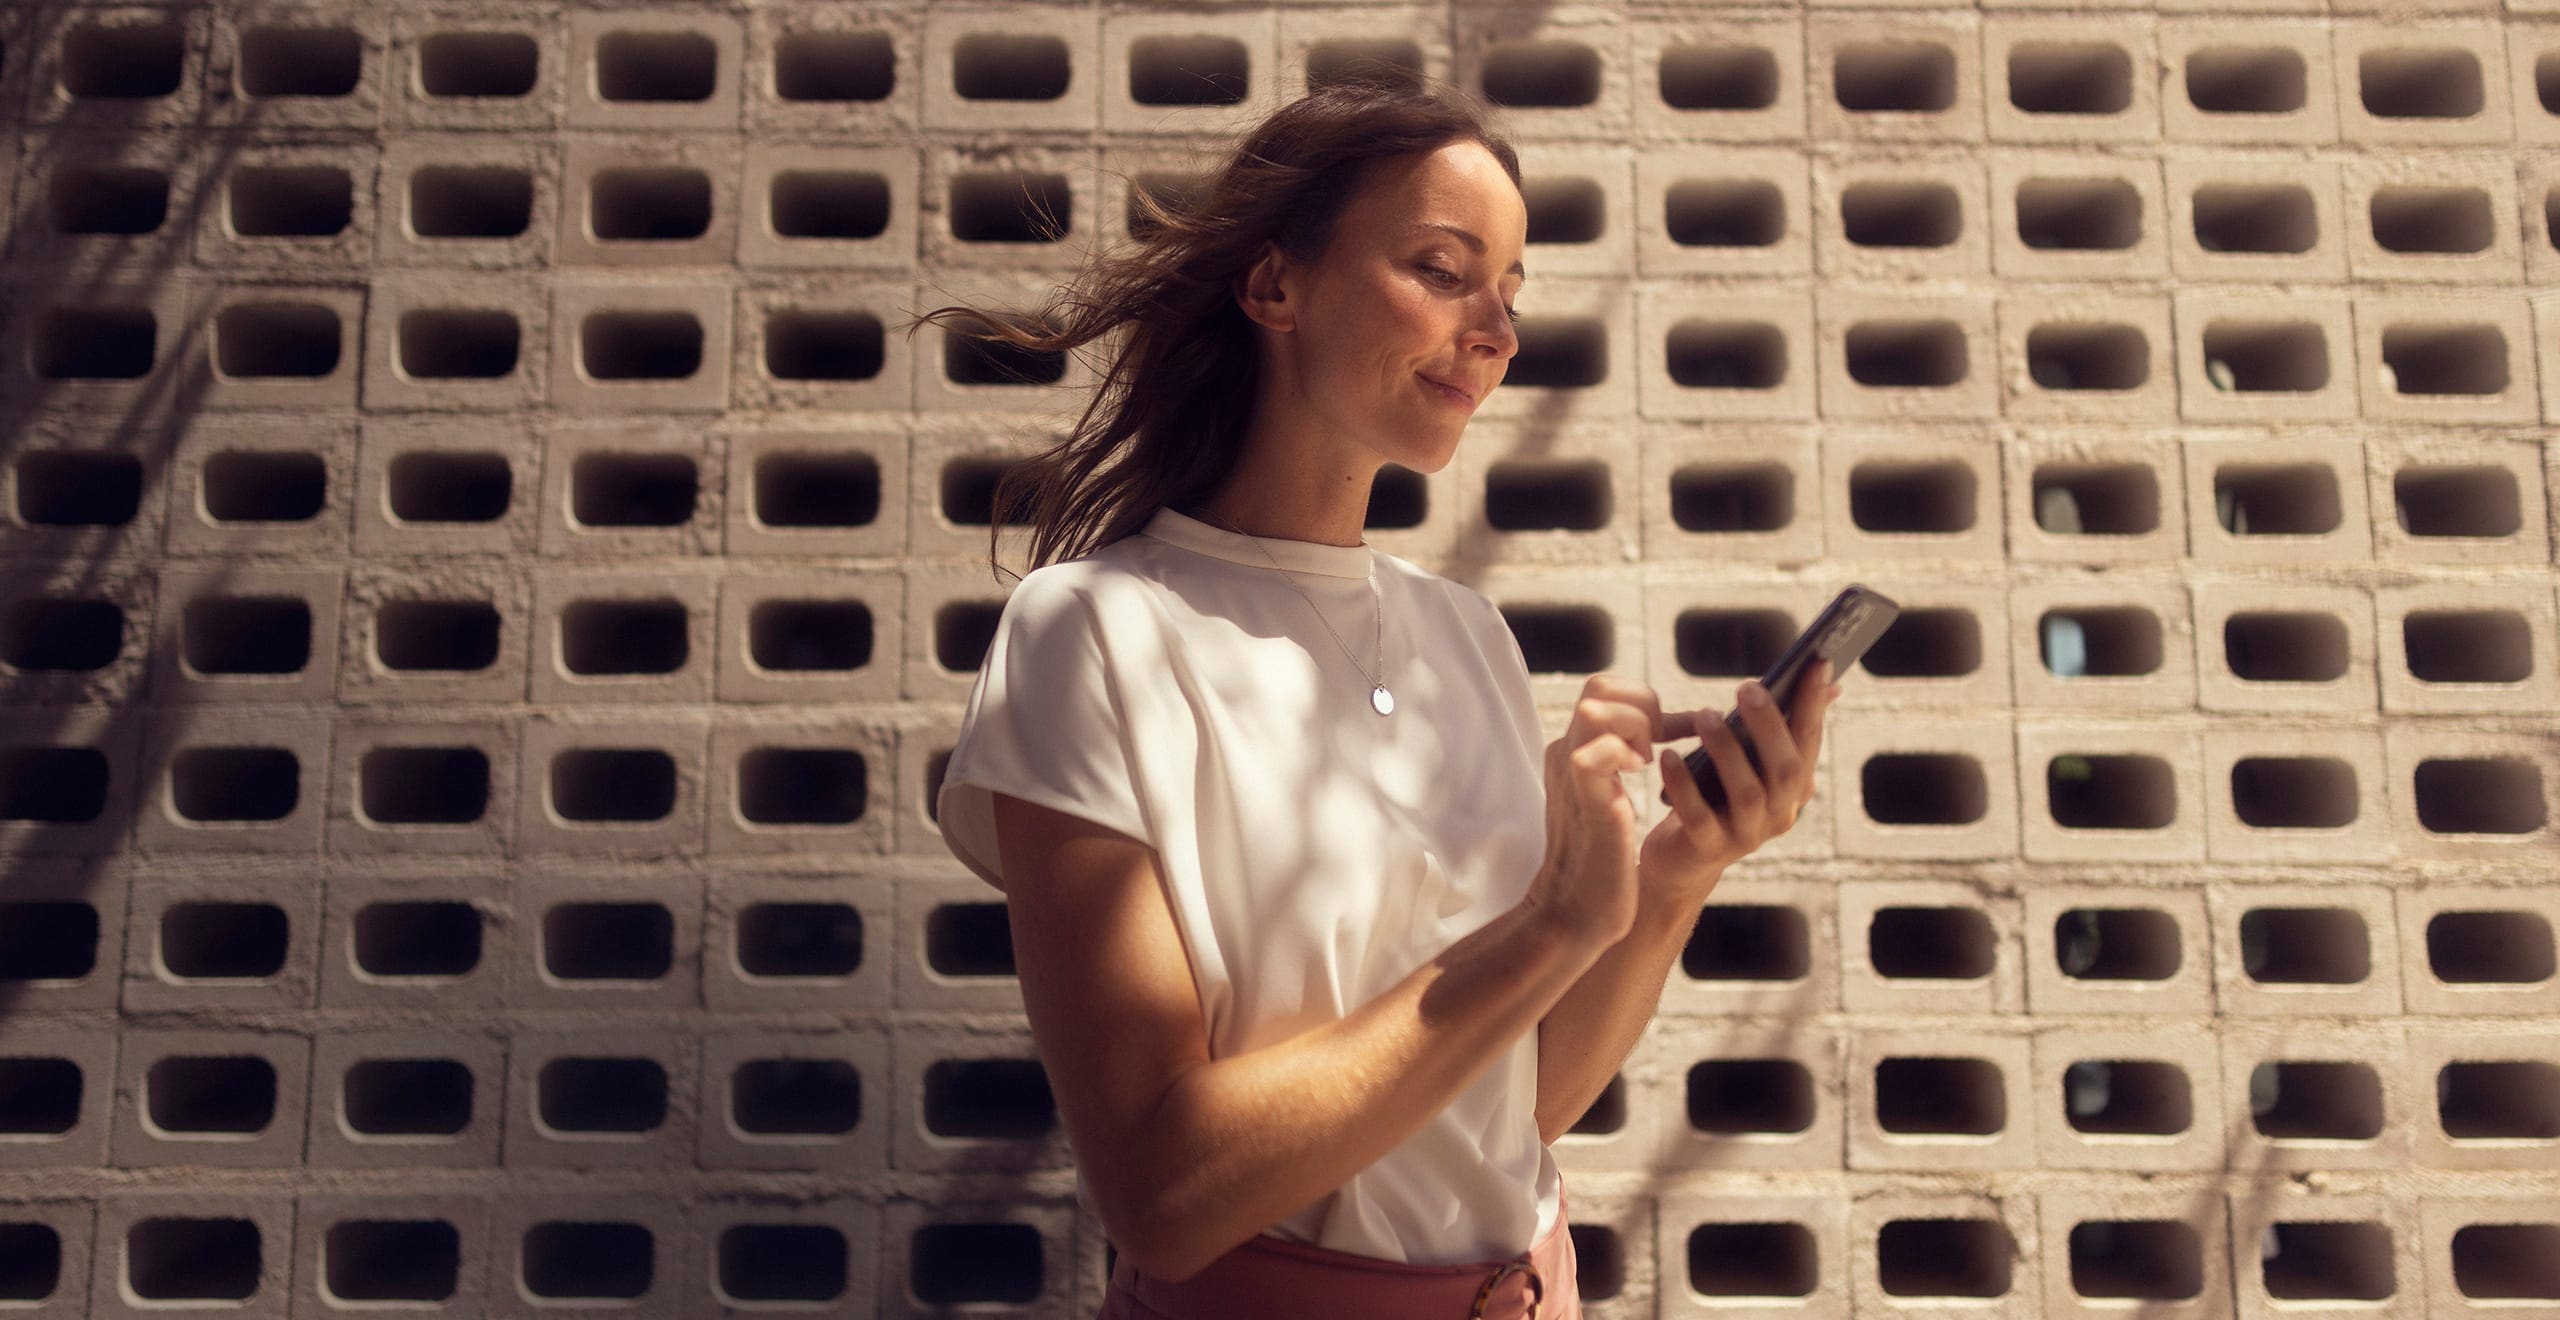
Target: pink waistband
(1269, 1278)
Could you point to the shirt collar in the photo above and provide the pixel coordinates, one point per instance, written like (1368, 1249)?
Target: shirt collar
(1343, 561)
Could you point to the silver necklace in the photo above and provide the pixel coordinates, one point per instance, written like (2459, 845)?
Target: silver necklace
(1380, 700)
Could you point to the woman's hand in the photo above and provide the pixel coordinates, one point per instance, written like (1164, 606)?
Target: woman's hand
(1688, 851)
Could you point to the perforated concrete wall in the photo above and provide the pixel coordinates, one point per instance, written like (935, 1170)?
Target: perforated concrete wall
(488, 598)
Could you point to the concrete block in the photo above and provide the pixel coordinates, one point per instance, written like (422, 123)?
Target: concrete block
(1582, 210)
(2248, 79)
(1941, 1097)
(952, 946)
(1556, 71)
(2056, 80)
(1907, 357)
(2117, 949)
(629, 635)
(2256, 218)
(666, 72)
(2488, 1094)
(2432, 216)
(1572, 361)
(1947, 648)
(207, 942)
(618, 1097)
(246, 633)
(807, 635)
(2529, 50)
(1746, 211)
(2333, 1094)
(59, 1227)
(420, 630)
(232, 1099)
(940, 1251)
(1901, 77)
(278, 485)
(422, 785)
(354, 1253)
(2127, 1097)
(814, 1101)
(972, 1097)
(823, 69)
(942, 661)
(2275, 499)
(468, 201)
(924, 754)
(2536, 180)
(269, 346)
(2463, 793)
(1750, 1093)
(2302, 794)
(654, 201)
(602, 786)
(817, 492)
(2101, 642)
(1754, 1253)
(1913, 493)
(774, 942)
(828, 207)
(2457, 500)
(74, 80)
(1616, 1133)
(952, 376)
(86, 759)
(1745, 355)
(951, 483)
(1937, 786)
(2485, 1255)
(456, 344)
(565, 1248)
(1742, 493)
(454, 67)
(1892, 218)
(438, 941)
(2158, 1246)
(2546, 320)
(1923, 1251)
(297, 212)
(2094, 495)
(113, 349)
(828, 346)
(2323, 1253)
(1928, 946)
(408, 1098)
(61, 1081)
(2240, 361)
(2482, 644)
(70, 913)
(2440, 359)
(74, 632)
(2477, 950)
(2441, 85)
(2265, 646)
(619, 491)
(2104, 358)
(995, 68)
(2057, 214)
(2304, 949)
(298, 68)
(224, 780)
(1316, 45)
(71, 203)
(2093, 791)
(1549, 494)
(1207, 73)
(1613, 1237)
(1718, 77)
(1008, 207)
(644, 347)
(1569, 624)
(231, 1250)
(787, 783)
(747, 1258)
(608, 943)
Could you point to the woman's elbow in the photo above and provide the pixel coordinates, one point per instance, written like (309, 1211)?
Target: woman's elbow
(1162, 1242)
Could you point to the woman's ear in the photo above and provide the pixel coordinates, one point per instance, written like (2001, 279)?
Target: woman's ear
(1263, 290)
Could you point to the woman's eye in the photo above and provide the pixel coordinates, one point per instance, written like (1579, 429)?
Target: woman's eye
(1513, 313)
(1443, 274)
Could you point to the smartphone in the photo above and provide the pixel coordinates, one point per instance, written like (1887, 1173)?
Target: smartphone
(1840, 634)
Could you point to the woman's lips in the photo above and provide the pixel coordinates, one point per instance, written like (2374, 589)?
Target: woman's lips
(1459, 397)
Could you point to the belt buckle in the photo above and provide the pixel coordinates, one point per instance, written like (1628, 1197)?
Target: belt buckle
(1537, 1288)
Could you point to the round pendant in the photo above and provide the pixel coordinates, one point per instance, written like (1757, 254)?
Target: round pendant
(1385, 704)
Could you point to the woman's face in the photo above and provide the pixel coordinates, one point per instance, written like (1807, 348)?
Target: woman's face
(1406, 319)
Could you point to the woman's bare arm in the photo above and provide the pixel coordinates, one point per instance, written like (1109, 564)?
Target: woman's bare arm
(1187, 1157)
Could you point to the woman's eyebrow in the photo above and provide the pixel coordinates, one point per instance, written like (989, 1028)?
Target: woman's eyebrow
(1470, 239)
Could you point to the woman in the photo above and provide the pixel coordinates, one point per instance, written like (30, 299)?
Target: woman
(1313, 990)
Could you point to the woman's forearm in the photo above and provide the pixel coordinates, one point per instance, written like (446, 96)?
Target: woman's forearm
(1241, 1143)
(1587, 1036)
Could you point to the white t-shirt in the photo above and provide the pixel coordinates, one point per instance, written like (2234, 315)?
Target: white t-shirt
(1173, 687)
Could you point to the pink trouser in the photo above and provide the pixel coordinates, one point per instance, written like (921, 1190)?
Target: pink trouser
(1271, 1279)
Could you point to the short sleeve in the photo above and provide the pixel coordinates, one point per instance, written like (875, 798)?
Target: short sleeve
(1045, 723)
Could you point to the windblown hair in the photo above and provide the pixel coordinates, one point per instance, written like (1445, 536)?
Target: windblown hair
(1167, 422)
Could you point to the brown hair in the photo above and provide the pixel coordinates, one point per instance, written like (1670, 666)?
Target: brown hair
(1180, 387)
